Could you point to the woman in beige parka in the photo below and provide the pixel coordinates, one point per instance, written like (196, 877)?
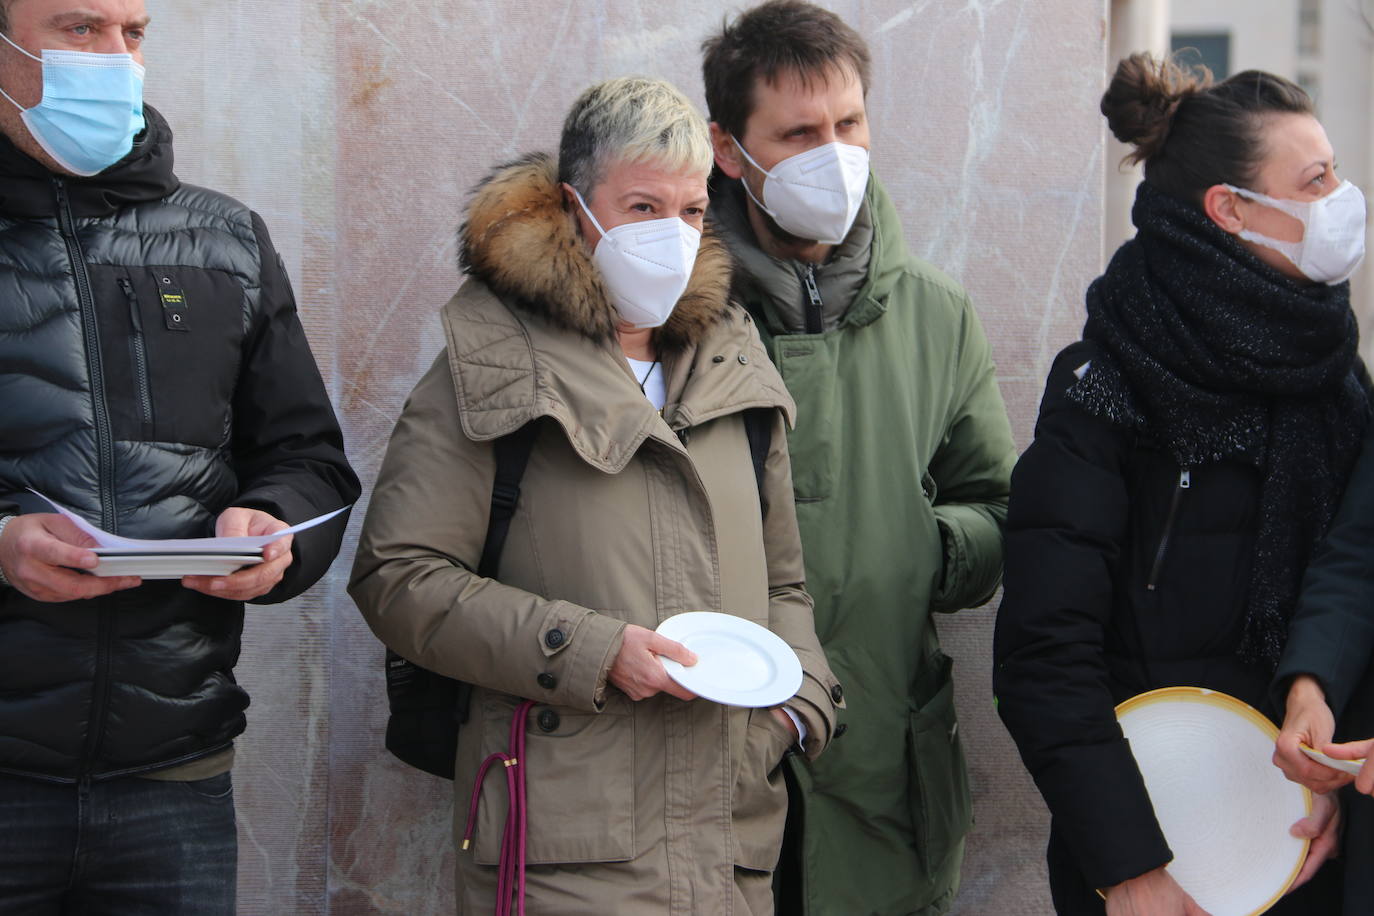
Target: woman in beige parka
(640, 797)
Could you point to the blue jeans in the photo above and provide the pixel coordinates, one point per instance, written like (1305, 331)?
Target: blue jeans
(126, 846)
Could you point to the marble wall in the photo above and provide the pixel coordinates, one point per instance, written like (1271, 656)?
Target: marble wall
(357, 126)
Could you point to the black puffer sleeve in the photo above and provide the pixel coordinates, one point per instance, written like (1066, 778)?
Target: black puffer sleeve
(1065, 530)
(287, 447)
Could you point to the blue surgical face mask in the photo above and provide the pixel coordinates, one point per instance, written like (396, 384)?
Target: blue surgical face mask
(92, 108)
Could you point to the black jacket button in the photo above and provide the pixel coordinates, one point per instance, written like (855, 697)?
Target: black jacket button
(837, 693)
(554, 638)
(547, 681)
(548, 720)
(717, 359)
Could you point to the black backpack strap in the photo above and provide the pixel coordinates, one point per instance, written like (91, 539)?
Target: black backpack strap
(512, 454)
(758, 426)
(427, 709)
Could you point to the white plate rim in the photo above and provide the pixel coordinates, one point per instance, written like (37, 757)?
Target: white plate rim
(784, 658)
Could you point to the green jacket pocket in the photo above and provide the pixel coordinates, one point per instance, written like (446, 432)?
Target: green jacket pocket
(941, 804)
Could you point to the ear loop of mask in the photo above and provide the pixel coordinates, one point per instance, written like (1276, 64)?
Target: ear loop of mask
(588, 210)
(1290, 250)
(16, 47)
(744, 181)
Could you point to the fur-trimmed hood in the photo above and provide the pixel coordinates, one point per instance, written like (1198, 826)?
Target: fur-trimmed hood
(522, 242)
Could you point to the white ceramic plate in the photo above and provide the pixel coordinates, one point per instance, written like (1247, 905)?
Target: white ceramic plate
(1224, 807)
(739, 663)
(171, 566)
(1350, 766)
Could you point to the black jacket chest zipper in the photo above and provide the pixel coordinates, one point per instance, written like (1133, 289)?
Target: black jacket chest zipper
(1185, 481)
(105, 454)
(140, 355)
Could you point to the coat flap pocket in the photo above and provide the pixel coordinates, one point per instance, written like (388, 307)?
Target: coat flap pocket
(579, 785)
(941, 804)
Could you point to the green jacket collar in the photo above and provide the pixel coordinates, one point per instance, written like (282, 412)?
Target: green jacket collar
(773, 287)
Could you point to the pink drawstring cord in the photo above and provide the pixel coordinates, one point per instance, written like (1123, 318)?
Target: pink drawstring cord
(511, 870)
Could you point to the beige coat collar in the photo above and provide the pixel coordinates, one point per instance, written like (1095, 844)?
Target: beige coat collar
(510, 368)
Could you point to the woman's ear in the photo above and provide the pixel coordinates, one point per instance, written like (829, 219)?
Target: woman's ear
(1222, 206)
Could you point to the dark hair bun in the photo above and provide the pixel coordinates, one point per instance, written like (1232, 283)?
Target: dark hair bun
(1143, 96)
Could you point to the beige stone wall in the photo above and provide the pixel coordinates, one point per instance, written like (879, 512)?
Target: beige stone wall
(356, 128)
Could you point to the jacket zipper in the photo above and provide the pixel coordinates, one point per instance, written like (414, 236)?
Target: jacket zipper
(145, 395)
(1185, 481)
(94, 368)
(105, 452)
(815, 308)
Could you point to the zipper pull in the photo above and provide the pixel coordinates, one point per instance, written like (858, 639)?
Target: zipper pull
(64, 211)
(815, 308)
(132, 298)
(1185, 481)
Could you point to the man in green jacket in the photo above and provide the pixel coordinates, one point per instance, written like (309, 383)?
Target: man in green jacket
(901, 457)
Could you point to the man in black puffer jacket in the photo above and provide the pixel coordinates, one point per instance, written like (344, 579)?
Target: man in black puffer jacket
(154, 377)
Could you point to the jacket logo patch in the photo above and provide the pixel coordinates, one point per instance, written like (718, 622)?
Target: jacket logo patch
(175, 313)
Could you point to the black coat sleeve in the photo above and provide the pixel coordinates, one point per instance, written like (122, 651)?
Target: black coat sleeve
(1066, 526)
(287, 447)
(1331, 636)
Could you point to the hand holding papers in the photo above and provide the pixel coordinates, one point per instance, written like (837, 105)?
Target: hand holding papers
(178, 557)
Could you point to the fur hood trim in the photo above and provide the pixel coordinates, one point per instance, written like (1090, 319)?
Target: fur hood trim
(520, 241)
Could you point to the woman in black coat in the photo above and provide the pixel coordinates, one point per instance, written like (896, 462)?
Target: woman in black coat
(1191, 450)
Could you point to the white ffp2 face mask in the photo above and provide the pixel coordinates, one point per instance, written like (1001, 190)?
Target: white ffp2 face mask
(815, 194)
(1332, 245)
(645, 265)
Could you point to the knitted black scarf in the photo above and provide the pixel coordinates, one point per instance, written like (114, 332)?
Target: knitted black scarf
(1215, 356)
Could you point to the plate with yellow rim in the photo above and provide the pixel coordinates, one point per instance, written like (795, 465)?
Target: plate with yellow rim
(1224, 807)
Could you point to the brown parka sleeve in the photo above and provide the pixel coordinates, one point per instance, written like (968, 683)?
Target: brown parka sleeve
(422, 539)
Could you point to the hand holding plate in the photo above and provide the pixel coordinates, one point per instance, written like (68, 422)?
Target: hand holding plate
(1322, 827)
(1307, 720)
(1154, 893)
(637, 670)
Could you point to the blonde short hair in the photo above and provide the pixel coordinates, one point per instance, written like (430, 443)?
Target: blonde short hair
(633, 119)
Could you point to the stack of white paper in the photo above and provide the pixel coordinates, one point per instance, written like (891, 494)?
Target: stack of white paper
(173, 558)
